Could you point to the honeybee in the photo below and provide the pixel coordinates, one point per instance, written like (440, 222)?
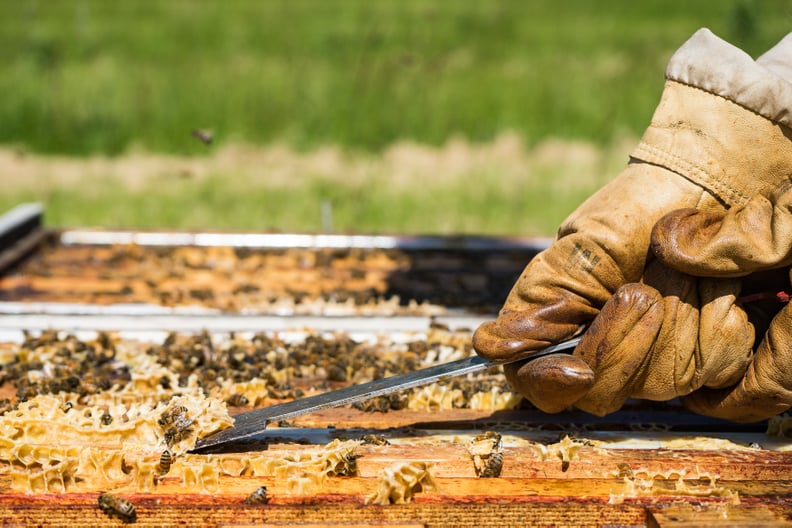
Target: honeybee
(487, 454)
(336, 373)
(174, 435)
(259, 496)
(625, 471)
(347, 467)
(166, 459)
(372, 439)
(378, 404)
(6, 405)
(237, 400)
(492, 466)
(118, 506)
(169, 416)
(106, 419)
(176, 424)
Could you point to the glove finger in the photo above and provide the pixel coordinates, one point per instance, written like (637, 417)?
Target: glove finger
(618, 346)
(704, 339)
(766, 388)
(742, 240)
(551, 383)
(517, 334)
(726, 336)
(559, 293)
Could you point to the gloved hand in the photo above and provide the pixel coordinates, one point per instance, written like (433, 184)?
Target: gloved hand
(719, 135)
(746, 239)
(665, 337)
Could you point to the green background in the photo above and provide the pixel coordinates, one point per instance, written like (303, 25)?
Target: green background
(88, 78)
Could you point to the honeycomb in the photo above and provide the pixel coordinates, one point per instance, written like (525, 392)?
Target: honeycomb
(641, 482)
(49, 446)
(399, 483)
(102, 413)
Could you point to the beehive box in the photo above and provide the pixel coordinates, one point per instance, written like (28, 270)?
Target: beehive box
(118, 347)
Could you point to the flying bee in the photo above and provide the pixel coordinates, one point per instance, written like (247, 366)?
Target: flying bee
(166, 459)
(259, 496)
(237, 400)
(118, 506)
(204, 136)
(492, 466)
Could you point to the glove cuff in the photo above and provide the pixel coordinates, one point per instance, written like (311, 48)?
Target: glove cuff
(717, 67)
(722, 122)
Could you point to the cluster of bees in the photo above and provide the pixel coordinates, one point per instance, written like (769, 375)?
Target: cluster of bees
(176, 425)
(241, 362)
(53, 363)
(71, 366)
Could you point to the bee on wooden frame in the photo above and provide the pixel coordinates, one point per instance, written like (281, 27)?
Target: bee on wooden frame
(259, 496)
(487, 454)
(372, 439)
(118, 506)
(493, 465)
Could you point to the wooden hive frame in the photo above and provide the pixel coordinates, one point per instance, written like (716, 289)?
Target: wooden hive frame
(612, 486)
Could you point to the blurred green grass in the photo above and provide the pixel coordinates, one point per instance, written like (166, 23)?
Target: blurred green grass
(90, 76)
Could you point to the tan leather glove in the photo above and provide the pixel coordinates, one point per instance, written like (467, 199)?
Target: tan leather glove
(659, 339)
(722, 117)
(744, 240)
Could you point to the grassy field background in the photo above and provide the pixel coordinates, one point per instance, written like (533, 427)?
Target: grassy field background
(403, 116)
